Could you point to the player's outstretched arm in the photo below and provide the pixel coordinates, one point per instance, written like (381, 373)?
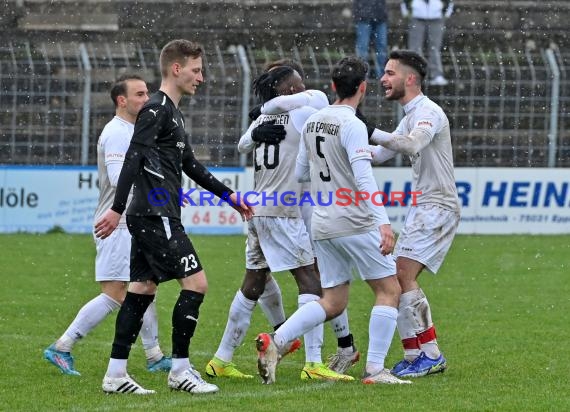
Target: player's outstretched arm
(286, 103)
(266, 132)
(380, 154)
(198, 172)
(406, 144)
(242, 208)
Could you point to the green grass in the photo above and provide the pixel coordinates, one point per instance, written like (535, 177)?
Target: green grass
(500, 304)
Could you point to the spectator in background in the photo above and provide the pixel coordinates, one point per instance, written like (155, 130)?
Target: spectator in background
(428, 19)
(371, 20)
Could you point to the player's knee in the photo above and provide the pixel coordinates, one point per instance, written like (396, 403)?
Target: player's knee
(307, 281)
(332, 311)
(310, 289)
(115, 290)
(254, 283)
(142, 288)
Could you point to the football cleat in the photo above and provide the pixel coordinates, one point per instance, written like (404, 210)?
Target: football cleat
(267, 357)
(190, 381)
(291, 347)
(218, 368)
(423, 366)
(384, 376)
(318, 371)
(126, 384)
(343, 359)
(62, 360)
(163, 365)
(400, 366)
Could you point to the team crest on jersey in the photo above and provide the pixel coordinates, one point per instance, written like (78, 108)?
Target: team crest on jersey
(180, 145)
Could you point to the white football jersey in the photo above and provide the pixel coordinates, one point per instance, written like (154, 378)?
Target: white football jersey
(334, 138)
(432, 167)
(111, 148)
(275, 183)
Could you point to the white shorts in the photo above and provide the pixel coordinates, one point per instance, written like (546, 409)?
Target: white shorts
(280, 243)
(427, 235)
(338, 257)
(307, 215)
(113, 256)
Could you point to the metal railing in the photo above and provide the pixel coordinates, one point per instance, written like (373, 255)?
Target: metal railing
(506, 107)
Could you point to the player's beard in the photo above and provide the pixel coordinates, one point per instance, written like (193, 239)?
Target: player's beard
(396, 93)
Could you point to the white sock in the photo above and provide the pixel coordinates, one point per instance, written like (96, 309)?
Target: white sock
(271, 303)
(314, 337)
(304, 319)
(408, 325)
(239, 318)
(149, 334)
(117, 368)
(179, 365)
(380, 333)
(153, 354)
(88, 317)
(340, 325)
(64, 343)
(431, 349)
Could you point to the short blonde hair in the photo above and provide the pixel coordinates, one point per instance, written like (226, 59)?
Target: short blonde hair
(177, 51)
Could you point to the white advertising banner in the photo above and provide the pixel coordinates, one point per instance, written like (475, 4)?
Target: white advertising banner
(207, 214)
(494, 200)
(37, 199)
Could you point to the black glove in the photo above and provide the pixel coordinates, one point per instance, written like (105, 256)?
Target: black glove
(255, 112)
(369, 127)
(268, 132)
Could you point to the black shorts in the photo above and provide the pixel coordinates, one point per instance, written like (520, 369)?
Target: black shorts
(160, 249)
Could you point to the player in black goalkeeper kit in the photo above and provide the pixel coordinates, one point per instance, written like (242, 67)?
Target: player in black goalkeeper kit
(158, 154)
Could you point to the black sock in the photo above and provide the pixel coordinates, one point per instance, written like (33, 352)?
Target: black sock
(128, 323)
(346, 341)
(184, 320)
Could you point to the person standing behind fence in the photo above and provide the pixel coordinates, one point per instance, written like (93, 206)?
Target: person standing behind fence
(427, 25)
(161, 251)
(423, 135)
(371, 21)
(129, 93)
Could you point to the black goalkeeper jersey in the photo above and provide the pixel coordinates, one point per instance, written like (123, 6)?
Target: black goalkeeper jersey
(158, 153)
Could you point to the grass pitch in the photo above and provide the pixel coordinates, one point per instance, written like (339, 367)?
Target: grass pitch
(500, 305)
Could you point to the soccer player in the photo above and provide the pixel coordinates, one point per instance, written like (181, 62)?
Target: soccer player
(277, 237)
(430, 226)
(129, 93)
(333, 155)
(158, 154)
(347, 354)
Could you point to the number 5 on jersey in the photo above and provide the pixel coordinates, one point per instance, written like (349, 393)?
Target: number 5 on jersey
(325, 177)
